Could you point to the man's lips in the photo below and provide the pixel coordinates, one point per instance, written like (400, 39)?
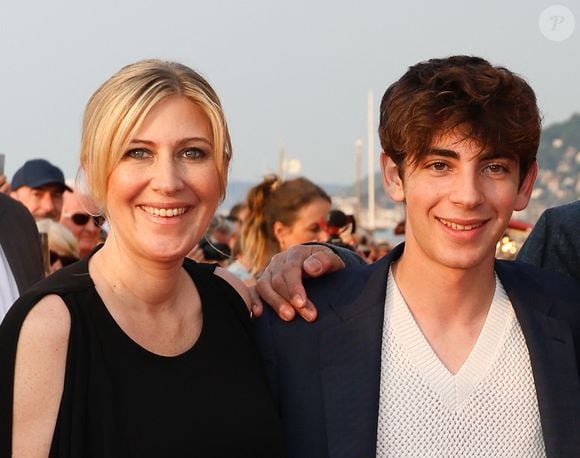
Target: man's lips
(460, 227)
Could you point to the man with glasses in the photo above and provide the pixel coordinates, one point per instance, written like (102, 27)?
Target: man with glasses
(82, 218)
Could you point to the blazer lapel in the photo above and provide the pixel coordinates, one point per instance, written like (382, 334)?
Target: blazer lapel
(350, 361)
(553, 359)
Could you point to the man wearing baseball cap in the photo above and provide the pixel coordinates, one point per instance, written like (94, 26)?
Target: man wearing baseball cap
(39, 185)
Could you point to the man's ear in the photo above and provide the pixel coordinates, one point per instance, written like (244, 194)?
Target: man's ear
(526, 188)
(392, 182)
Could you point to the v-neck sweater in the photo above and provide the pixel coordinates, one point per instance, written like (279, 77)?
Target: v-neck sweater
(488, 408)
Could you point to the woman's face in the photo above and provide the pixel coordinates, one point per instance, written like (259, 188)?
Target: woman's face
(306, 227)
(164, 191)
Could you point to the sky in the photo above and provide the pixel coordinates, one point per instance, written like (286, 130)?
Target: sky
(293, 74)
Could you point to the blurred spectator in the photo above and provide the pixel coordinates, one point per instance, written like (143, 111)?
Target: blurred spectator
(340, 228)
(281, 214)
(224, 230)
(239, 212)
(20, 254)
(39, 185)
(214, 252)
(62, 244)
(81, 217)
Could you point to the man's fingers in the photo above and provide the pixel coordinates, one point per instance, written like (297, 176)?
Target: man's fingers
(281, 284)
(322, 262)
(307, 311)
(277, 302)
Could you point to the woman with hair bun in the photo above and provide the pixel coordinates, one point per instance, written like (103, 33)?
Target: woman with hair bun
(136, 350)
(281, 214)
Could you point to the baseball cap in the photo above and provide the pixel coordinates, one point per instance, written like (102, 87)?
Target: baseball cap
(37, 173)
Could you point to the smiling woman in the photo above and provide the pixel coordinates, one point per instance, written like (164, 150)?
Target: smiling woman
(97, 354)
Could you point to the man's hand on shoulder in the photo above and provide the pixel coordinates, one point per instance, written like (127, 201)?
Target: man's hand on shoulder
(281, 287)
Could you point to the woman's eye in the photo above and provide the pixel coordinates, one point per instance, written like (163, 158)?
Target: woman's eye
(137, 153)
(193, 153)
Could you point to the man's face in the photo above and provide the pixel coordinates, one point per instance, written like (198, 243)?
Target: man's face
(87, 232)
(43, 202)
(458, 202)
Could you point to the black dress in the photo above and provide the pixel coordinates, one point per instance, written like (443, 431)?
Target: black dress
(121, 400)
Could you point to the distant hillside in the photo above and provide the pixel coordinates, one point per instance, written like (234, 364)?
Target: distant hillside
(554, 140)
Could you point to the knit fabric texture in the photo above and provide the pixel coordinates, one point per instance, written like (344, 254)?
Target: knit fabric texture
(487, 409)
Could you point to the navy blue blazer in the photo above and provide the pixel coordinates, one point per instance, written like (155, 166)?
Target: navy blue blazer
(325, 375)
(554, 242)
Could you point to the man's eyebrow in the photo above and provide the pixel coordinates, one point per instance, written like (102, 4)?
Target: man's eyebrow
(443, 152)
(489, 155)
(484, 155)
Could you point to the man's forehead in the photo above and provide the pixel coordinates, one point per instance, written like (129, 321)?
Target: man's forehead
(52, 188)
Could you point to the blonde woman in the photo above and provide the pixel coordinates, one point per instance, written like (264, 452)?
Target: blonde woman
(137, 351)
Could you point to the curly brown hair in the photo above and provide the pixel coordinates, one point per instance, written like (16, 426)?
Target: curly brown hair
(491, 105)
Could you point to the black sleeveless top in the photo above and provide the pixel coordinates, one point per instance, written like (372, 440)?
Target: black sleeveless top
(121, 400)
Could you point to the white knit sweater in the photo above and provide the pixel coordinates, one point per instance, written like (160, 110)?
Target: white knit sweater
(488, 409)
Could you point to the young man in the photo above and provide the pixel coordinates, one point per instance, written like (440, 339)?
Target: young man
(437, 349)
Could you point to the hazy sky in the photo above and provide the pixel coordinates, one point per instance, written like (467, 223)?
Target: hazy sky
(295, 73)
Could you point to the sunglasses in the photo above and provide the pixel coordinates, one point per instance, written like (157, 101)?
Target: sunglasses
(64, 260)
(80, 219)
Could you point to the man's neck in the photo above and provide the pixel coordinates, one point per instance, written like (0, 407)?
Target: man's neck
(449, 305)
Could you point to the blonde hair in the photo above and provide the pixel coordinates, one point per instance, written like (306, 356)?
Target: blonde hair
(115, 112)
(270, 201)
(60, 239)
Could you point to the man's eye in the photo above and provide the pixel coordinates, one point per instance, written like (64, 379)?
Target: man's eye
(438, 166)
(137, 153)
(497, 168)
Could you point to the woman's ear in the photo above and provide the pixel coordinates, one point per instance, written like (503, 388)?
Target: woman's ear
(280, 231)
(392, 181)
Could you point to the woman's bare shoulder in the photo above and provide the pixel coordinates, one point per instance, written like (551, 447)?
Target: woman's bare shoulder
(237, 284)
(39, 375)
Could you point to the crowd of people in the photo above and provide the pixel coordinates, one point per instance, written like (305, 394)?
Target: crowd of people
(134, 326)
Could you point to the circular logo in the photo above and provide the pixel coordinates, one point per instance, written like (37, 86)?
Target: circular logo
(557, 23)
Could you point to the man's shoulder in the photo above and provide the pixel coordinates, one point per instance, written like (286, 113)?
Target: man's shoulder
(527, 275)
(564, 214)
(542, 287)
(346, 286)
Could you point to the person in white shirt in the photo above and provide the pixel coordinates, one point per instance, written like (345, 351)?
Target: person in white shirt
(437, 349)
